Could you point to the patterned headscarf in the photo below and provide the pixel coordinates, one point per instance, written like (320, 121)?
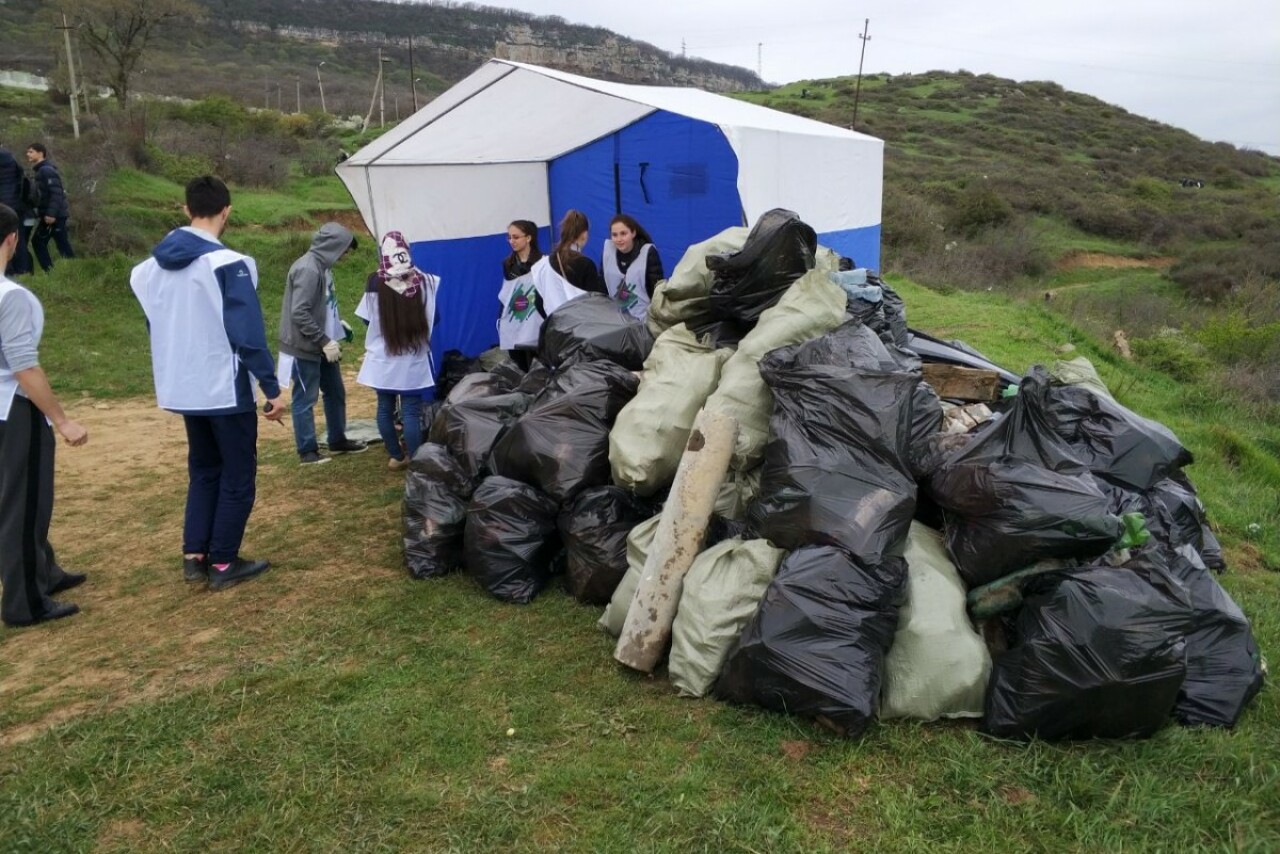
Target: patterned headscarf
(395, 267)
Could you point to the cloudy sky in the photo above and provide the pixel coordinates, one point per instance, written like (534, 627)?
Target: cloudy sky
(1212, 68)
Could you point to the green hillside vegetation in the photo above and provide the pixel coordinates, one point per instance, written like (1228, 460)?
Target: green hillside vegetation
(993, 183)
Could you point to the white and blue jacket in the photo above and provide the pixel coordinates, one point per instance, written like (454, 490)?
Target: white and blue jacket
(207, 333)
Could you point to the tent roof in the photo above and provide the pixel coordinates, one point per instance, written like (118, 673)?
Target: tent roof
(512, 112)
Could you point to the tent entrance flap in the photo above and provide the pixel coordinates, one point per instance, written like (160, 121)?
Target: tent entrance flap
(677, 176)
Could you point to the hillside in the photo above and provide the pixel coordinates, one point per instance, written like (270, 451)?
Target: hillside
(260, 52)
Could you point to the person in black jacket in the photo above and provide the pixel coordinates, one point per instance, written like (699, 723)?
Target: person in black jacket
(53, 211)
(14, 185)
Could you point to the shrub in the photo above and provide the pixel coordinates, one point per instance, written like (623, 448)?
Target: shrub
(978, 207)
(1173, 355)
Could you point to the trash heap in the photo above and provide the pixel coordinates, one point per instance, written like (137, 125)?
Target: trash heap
(798, 502)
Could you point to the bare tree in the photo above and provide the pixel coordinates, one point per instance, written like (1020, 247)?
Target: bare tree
(118, 32)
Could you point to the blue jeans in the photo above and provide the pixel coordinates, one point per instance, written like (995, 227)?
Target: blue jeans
(410, 417)
(222, 467)
(311, 378)
(40, 241)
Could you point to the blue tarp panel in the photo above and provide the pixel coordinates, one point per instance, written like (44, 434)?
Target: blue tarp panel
(860, 244)
(470, 271)
(677, 176)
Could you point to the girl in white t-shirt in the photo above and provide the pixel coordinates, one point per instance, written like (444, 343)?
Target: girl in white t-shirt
(400, 307)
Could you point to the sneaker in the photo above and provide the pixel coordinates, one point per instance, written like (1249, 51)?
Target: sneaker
(348, 446)
(397, 465)
(231, 574)
(311, 458)
(195, 569)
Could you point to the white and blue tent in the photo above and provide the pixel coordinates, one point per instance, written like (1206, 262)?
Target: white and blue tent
(515, 141)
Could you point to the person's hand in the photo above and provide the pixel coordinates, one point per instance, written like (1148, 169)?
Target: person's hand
(332, 351)
(73, 433)
(275, 408)
(348, 334)
(49, 220)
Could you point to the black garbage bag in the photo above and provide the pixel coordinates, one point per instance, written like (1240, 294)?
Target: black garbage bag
(836, 467)
(470, 428)
(506, 376)
(592, 328)
(721, 333)
(1224, 667)
(926, 415)
(436, 492)
(1177, 517)
(510, 540)
(594, 529)
(1115, 443)
(879, 306)
(561, 445)
(1016, 494)
(535, 380)
(816, 646)
(454, 366)
(779, 250)
(1097, 653)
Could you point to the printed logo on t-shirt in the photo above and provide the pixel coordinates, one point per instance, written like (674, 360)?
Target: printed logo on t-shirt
(626, 297)
(521, 305)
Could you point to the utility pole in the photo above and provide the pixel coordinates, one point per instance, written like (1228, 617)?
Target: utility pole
(279, 97)
(857, 91)
(266, 92)
(760, 60)
(71, 72)
(411, 77)
(377, 88)
(320, 83)
(683, 49)
(382, 93)
(84, 84)
(297, 84)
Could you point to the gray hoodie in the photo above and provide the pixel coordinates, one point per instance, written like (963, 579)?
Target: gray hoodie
(302, 314)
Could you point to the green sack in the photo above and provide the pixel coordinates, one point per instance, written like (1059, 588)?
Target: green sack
(811, 307)
(649, 435)
(938, 666)
(1080, 371)
(684, 297)
(722, 592)
(638, 543)
(736, 494)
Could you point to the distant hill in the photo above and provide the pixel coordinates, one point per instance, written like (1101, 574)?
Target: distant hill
(1007, 175)
(266, 52)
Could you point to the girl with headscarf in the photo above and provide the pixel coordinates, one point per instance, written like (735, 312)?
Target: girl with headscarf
(399, 305)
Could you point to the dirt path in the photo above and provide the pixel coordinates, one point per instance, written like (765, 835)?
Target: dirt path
(143, 633)
(1089, 260)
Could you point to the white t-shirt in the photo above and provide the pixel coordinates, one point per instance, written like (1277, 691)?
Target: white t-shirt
(407, 371)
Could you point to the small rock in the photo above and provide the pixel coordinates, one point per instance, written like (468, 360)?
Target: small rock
(1066, 348)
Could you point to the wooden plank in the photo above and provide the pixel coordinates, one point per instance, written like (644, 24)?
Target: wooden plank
(952, 382)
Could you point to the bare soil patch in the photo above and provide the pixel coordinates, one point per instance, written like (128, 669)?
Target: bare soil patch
(1089, 260)
(143, 633)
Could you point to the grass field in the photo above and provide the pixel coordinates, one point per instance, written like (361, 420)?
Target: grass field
(335, 704)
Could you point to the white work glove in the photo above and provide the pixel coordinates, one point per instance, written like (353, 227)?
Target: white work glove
(332, 352)
(348, 334)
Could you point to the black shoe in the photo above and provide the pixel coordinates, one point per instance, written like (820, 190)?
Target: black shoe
(238, 570)
(348, 446)
(311, 458)
(195, 569)
(69, 580)
(56, 611)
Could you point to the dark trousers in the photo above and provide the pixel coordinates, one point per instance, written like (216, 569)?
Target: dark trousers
(222, 466)
(43, 234)
(28, 568)
(21, 264)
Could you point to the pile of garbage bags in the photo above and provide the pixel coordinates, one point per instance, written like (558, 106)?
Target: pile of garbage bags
(1039, 562)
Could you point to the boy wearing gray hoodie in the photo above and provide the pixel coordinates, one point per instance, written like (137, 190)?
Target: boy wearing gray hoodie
(310, 329)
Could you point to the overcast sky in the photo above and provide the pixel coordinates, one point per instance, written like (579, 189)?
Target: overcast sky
(1212, 68)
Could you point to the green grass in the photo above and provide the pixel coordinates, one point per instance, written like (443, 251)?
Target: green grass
(350, 708)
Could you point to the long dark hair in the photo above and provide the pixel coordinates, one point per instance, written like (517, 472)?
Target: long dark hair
(642, 236)
(403, 320)
(573, 226)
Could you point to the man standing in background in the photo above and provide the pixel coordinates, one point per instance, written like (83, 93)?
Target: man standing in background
(16, 191)
(52, 211)
(309, 331)
(29, 572)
